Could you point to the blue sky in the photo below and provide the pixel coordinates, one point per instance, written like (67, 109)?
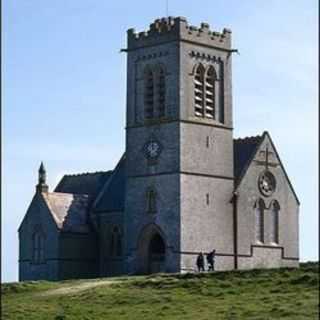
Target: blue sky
(64, 91)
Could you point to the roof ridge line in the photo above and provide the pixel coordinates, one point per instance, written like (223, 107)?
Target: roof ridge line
(69, 193)
(249, 138)
(86, 173)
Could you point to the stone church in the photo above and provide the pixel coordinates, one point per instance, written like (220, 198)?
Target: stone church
(184, 185)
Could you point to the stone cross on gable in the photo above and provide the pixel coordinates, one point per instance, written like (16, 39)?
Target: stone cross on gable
(266, 162)
(267, 157)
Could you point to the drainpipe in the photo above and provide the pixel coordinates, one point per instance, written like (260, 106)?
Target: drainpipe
(235, 229)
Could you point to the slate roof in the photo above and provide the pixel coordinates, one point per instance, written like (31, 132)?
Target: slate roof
(111, 197)
(69, 211)
(85, 183)
(243, 151)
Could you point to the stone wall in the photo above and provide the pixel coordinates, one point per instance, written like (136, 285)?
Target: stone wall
(111, 265)
(288, 215)
(197, 152)
(190, 56)
(166, 55)
(166, 217)
(78, 255)
(38, 217)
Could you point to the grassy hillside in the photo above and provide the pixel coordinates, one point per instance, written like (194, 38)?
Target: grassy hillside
(255, 294)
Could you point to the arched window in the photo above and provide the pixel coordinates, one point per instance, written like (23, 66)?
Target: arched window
(274, 234)
(151, 201)
(210, 93)
(161, 92)
(204, 92)
(148, 93)
(259, 220)
(116, 242)
(38, 247)
(199, 91)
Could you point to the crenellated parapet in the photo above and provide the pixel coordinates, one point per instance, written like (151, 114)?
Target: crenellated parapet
(171, 29)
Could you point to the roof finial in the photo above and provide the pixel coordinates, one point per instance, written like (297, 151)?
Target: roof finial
(42, 186)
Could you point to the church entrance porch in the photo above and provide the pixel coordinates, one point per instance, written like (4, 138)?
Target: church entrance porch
(151, 251)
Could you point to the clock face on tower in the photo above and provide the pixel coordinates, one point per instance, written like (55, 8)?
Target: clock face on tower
(152, 149)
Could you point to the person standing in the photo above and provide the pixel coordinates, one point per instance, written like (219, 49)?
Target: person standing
(210, 260)
(200, 262)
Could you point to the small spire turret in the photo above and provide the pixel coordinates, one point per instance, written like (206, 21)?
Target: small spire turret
(42, 186)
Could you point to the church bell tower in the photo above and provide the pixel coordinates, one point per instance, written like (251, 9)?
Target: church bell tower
(179, 146)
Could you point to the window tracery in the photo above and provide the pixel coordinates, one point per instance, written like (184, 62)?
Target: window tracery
(204, 91)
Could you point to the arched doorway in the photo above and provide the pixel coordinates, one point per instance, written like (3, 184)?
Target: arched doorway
(151, 250)
(157, 254)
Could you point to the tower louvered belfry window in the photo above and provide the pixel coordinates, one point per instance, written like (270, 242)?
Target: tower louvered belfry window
(148, 94)
(154, 92)
(210, 93)
(204, 92)
(199, 91)
(161, 92)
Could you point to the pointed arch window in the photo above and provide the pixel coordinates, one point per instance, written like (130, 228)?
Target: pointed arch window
(259, 220)
(210, 93)
(199, 91)
(161, 92)
(38, 247)
(274, 234)
(151, 200)
(148, 93)
(204, 92)
(116, 242)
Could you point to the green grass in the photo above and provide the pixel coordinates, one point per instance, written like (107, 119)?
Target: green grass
(256, 294)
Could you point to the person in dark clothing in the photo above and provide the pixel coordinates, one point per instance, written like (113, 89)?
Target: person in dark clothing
(200, 262)
(210, 260)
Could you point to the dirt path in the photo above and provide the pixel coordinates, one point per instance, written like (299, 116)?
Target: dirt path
(77, 288)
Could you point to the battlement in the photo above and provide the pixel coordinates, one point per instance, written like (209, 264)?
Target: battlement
(170, 29)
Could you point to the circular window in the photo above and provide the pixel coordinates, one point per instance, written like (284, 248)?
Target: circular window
(267, 183)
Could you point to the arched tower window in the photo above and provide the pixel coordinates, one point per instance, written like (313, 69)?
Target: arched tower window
(199, 91)
(148, 93)
(274, 234)
(151, 201)
(210, 93)
(38, 247)
(116, 242)
(259, 220)
(161, 92)
(204, 92)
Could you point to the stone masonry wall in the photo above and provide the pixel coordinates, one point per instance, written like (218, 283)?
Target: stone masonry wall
(38, 216)
(288, 216)
(109, 265)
